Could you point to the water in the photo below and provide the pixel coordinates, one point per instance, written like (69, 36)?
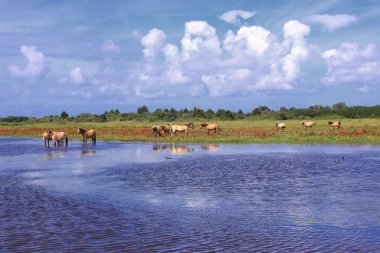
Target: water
(143, 197)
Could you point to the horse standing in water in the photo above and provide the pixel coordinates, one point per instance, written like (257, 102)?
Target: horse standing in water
(59, 138)
(47, 136)
(87, 134)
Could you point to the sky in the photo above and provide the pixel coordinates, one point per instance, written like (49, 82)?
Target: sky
(91, 56)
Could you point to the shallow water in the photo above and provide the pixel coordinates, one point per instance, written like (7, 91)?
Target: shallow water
(144, 197)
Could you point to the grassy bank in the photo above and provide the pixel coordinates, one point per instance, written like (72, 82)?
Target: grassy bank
(354, 131)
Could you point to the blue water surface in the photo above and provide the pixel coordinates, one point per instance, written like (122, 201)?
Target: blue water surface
(145, 197)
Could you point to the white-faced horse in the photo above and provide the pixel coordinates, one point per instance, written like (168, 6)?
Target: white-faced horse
(279, 126)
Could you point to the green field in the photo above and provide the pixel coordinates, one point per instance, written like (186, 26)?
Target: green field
(353, 131)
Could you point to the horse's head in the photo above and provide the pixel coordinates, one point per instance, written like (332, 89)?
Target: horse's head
(203, 125)
(80, 131)
(302, 123)
(329, 123)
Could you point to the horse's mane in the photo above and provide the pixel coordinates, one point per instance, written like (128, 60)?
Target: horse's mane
(81, 130)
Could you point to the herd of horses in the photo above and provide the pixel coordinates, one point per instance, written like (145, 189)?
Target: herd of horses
(166, 130)
(60, 139)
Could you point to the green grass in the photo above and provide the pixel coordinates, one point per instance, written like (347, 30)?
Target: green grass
(354, 131)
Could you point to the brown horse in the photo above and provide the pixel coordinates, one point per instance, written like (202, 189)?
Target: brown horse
(59, 138)
(87, 134)
(334, 124)
(211, 126)
(47, 136)
(166, 129)
(157, 131)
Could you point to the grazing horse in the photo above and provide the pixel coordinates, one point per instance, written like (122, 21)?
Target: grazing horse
(166, 129)
(306, 124)
(281, 126)
(87, 134)
(157, 131)
(211, 126)
(59, 138)
(334, 124)
(181, 128)
(47, 136)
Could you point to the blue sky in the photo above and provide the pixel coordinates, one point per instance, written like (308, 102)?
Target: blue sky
(92, 56)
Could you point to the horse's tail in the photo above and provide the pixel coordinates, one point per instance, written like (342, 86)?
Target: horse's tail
(67, 141)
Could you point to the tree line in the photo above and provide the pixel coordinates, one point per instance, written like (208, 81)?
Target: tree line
(338, 110)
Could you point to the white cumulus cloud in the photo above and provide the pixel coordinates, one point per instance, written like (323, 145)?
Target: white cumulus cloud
(233, 16)
(76, 76)
(153, 42)
(36, 63)
(250, 59)
(352, 64)
(331, 22)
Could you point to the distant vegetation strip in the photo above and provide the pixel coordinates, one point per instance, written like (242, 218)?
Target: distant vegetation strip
(353, 131)
(336, 111)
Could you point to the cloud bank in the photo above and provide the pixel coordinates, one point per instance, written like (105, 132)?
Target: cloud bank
(352, 64)
(246, 61)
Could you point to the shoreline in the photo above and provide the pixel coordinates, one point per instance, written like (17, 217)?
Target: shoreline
(167, 141)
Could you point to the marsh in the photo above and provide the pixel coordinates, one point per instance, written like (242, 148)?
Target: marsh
(128, 197)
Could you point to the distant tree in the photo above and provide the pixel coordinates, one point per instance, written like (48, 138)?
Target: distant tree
(240, 114)
(339, 106)
(256, 111)
(142, 109)
(64, 115)
(117, 111)
(185, 110)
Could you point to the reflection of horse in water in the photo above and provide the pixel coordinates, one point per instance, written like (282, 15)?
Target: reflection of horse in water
(209, 146)
(87, 134)
(174, 148)
(88, 152)
(159, 147)
(55, 154)
(59, 138)
(178, 149)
